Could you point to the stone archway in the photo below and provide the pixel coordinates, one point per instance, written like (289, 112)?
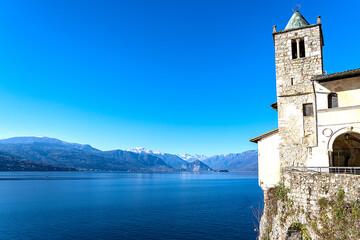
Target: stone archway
(346, 150)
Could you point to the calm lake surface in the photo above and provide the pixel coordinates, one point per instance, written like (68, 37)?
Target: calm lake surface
(121, 205)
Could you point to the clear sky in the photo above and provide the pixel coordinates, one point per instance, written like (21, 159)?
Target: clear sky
(178, 76)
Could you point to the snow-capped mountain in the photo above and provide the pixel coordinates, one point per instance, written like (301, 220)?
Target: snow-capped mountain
(170, 159)
(191, 158)
(141, 150)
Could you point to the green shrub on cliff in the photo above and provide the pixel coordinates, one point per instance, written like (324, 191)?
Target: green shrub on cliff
(281, 192)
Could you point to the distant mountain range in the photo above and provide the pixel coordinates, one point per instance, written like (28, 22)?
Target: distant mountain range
(82, 157)
(50, 154)
(245, 161)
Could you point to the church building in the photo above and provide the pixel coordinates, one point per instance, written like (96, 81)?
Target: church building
(318, 113)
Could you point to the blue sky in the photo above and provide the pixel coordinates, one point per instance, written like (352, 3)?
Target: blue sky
(194, 76)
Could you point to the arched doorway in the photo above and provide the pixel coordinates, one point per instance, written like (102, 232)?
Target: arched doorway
(346, 150)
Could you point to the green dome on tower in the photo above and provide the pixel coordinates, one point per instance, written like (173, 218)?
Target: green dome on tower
(296, 21)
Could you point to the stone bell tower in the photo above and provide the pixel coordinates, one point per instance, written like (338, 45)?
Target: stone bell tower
(298, 58)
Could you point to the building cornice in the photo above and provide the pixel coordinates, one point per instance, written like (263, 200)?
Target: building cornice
(337, 76)
(296, 29)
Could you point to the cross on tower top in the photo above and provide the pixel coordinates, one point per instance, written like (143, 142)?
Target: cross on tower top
(296, 8)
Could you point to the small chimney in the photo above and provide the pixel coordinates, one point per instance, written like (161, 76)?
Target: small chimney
(274, 29)
(318, 20)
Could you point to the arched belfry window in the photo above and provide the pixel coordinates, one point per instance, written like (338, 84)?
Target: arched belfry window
(332, 100)
(298, 48)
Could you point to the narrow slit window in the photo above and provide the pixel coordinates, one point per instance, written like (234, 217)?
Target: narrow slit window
(292, 81)
(308, 109)
(332, 100)
(302, 48)
(294, 49)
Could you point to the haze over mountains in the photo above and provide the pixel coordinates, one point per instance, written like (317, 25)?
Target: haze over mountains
(47, 154)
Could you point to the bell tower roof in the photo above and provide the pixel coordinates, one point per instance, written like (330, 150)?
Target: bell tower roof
(296, 21)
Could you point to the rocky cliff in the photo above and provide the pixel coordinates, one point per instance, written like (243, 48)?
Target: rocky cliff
(312, 206)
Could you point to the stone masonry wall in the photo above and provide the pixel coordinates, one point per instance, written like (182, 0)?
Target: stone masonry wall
(325, 205)
(296, 132)
(294, 88)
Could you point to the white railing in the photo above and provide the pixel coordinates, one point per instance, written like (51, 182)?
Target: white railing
(340, 170)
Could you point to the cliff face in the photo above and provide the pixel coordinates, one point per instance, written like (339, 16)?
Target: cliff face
(312, 206)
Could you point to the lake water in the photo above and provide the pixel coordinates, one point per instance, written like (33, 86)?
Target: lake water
(121, 205)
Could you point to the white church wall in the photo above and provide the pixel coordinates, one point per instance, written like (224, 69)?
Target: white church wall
(334, 121)
(269, 162)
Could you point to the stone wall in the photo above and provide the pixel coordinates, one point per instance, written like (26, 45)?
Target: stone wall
(320, 205)
(297, 133)
(301, 70)
(294, 88)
